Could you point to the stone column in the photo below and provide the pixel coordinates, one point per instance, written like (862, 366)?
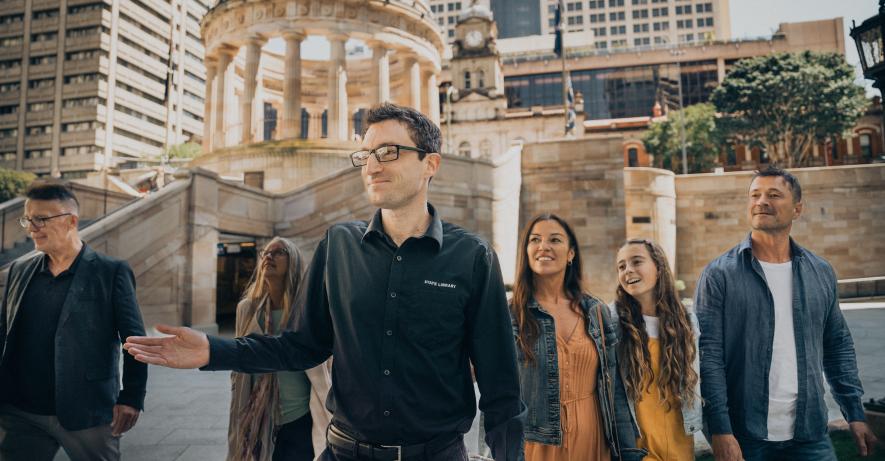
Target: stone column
(250, 72)
(208, 108)
(413, 70)
(380, 73)
(291, 126)
(225, 56)
(338, 88)
(720, 69)
(432, 93)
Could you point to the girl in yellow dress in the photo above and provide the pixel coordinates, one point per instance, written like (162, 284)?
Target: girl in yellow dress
(657, 353)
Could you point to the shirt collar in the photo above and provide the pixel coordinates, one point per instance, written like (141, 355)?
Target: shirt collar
(44, 263)
(746, 247)
(434, 230)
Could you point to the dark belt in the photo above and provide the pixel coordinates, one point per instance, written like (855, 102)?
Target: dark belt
(341, 442)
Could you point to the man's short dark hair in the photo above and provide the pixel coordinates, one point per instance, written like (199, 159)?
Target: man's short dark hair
(791, 180)
(424, 133)
(52, 190)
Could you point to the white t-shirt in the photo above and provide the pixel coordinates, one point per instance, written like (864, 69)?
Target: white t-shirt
(652, 326)
(783, 378)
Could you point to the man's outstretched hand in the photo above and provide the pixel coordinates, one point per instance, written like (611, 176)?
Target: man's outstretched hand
(181, 348)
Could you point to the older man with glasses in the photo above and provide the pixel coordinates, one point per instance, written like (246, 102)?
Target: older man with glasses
(405, 303)
(61, 323)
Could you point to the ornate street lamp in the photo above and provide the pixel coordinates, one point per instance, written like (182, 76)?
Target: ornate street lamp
(868, 38)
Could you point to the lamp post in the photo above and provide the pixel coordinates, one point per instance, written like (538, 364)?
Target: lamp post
(868, 38)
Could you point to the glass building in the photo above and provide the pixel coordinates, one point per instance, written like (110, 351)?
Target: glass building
(517, 18)
(619, 92)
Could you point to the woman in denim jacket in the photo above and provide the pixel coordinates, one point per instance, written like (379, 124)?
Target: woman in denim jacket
(657, 353)
(566, 346)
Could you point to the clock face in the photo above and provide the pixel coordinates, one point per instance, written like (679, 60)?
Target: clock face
(473, 39)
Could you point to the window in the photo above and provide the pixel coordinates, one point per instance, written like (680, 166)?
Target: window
(614, 3)
(632, 157)
(38, 153)
(618, 16)
(596, 4)
(658, 12)
(467, 80)
(8, 156)
(11, 86)
(44, 36)
(618, 30)
(82, 102)
(80, 150)
(640, 28)
(684, 24)
(83, 55)
(11, 19)
(619, 43)
(9, 133)
(91, 125)
(85, 8)
(8, 110)
(41, 83)
(464, 149)
(82, 78)
(45, 14)
(594, 18)
(708, 7)
(40, 106)
(641, 41)
(601, 45)
(866, 146)
(640, 2)
(43, 60)
(640, 14)
(659, 26)
(599, 32)
(575, 20)
(39, 130)
(10, 41)
(660, 40)
(481, 79)
(576, 6)
(83, 32)
(709, 22)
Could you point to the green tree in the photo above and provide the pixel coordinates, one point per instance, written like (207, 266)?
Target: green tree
(185, 150)
(787, 102)
(13, 183)
(702, 139)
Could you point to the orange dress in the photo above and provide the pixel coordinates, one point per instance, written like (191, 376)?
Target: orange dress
(582, 434)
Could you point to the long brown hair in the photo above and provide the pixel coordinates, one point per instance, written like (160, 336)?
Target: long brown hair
(257, 288)
(677, 378)
(524, 285)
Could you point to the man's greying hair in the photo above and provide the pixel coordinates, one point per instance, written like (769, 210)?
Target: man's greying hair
(53, 190)
(424, 133)
(791, 180)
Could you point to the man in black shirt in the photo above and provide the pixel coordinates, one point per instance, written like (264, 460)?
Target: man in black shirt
(65, 311)
(405, 303)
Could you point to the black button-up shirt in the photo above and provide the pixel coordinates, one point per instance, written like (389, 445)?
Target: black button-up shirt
(404, 324)
(32, 346)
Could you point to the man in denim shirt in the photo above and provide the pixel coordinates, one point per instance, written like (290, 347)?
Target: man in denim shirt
(770, 325)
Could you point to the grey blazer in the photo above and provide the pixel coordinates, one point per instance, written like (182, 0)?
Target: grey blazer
(99, 312)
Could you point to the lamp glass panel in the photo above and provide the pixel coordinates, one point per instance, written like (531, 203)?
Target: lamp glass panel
(871, 46)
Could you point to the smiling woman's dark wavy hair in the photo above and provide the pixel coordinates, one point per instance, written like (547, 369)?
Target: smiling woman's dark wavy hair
(524, 285)
(677, 378)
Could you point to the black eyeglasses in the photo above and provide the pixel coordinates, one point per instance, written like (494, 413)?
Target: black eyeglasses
(279, 252)
(386, 153)
(38, 221)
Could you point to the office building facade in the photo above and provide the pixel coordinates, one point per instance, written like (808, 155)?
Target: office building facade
(88, 84)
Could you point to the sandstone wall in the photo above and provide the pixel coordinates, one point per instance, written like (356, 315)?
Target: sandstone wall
(650, 198)
(581, 181)
(842, 221)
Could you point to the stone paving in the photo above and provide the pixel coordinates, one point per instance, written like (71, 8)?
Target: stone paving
(186, 411)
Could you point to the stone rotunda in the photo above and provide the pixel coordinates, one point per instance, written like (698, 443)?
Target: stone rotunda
(280, 110)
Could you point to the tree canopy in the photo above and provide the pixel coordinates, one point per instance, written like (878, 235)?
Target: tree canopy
(13, 183)
(702, 139)
(787, 102)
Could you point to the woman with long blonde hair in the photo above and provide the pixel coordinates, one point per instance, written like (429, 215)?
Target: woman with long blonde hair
(280, 415)
(657, 353)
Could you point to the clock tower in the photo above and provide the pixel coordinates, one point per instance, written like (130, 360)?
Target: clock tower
(475, 64)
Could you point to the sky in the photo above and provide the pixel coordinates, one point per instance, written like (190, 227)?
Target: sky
(756, 18)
